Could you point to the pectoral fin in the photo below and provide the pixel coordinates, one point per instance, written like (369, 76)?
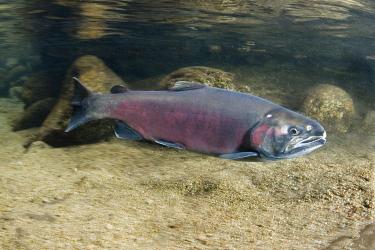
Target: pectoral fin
(123, 131)
(169, 144)
(238, 155)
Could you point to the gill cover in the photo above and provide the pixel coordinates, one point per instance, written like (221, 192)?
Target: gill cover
(283, 133)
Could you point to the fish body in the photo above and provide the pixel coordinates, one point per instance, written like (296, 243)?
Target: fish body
(194, 117)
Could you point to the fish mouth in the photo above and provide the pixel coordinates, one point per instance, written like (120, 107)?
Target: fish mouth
(305, 146)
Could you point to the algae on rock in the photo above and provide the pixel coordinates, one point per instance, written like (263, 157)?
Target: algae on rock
(97, 77)
(34, 115)
(209, 76)
(220, 79)
(39, 86)
(330, 105)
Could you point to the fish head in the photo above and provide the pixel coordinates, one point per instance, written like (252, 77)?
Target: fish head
(282, 134)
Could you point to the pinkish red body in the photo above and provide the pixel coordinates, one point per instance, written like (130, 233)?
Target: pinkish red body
(208, 120)
(196, 117)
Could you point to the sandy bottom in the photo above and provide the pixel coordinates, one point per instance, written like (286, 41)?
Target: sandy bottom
(130, 195)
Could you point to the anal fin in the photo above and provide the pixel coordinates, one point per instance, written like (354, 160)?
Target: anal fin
(169, 144)
(123, 131)
(238, 155)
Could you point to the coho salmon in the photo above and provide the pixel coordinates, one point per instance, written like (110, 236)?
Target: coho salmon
(196, 117)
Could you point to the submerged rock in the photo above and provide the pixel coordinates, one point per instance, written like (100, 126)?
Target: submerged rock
(369, 128)
(12, 61)
(98, 78)
(369, 121)
(37, 146)
(39, 86)
(11, 75)
(15, 92)
(34, 115)
(19, 82)
(330, 105)
(16, 72)
(221, 79)
(209, 76)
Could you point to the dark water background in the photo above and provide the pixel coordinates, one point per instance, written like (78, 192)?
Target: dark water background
(318, 41)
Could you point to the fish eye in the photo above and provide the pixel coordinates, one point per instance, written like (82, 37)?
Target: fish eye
(294, 131)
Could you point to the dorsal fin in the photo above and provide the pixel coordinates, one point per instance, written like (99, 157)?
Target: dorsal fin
(185, 85)
(119, 89)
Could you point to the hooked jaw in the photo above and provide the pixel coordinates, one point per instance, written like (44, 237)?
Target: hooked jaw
(305, 146)
(287, 136)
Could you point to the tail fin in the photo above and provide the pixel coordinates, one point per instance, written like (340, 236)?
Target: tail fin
(79, 116)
